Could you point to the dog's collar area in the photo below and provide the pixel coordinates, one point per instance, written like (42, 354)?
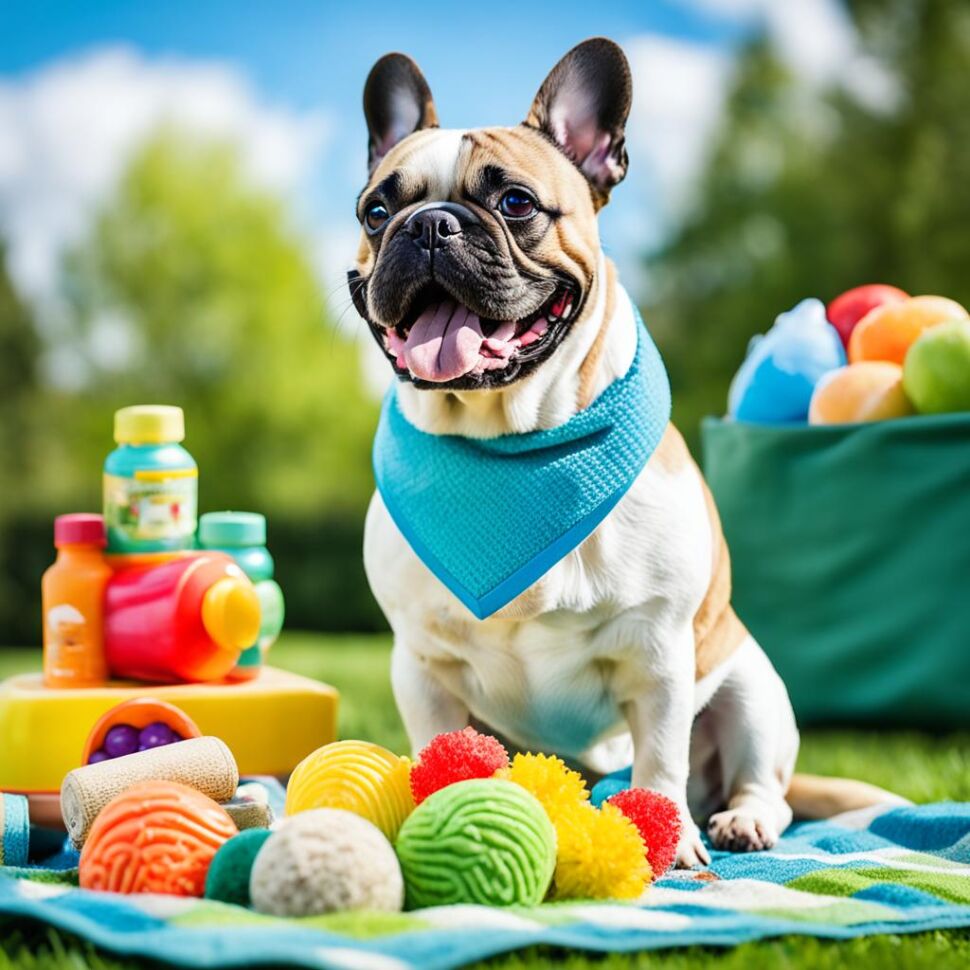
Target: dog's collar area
(581, 469)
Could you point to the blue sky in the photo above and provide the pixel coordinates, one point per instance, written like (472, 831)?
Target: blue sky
(484, 60)
(307, 52)
(80, 83)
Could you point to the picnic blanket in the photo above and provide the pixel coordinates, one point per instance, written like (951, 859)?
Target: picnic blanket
(898, 870)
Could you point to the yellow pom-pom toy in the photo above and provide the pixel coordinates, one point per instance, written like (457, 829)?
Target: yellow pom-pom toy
(600, 855)
(557, 788)
(358, 777)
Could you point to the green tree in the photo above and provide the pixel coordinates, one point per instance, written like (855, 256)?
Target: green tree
(808, 194)
(193, 289)
(19, 354)
(20, 456)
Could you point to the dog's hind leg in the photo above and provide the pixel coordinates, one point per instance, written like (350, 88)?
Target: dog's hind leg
(757, 742)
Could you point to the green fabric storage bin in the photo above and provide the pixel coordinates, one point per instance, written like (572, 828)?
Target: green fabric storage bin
(850, 548)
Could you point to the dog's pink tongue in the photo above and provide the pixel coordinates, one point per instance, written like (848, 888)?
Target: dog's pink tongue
(444, 343)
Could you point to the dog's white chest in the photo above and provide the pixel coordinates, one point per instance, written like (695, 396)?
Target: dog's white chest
(536, 683)
(551, 669)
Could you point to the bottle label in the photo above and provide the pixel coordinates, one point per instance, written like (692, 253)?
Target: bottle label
(152, 506)
(72, 651)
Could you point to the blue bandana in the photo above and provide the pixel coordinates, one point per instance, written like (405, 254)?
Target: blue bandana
(490, 517)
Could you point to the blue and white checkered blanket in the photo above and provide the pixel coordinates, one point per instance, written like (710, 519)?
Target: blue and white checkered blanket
(901, 870)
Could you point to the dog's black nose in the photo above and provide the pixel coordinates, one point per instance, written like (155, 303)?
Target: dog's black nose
(433, 225)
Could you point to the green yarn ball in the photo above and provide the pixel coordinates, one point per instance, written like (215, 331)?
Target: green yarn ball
(481, 841)
(228, 878)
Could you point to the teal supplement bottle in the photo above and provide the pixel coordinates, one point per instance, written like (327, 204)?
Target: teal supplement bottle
(151, 483)
(242, 535)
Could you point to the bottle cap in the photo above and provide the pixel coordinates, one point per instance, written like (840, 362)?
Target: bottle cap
(219, 530)
(149, 424)
(230, 613)
(79, 528)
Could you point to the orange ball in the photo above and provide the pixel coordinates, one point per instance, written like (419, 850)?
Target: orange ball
(888, 331)
(871, 390)
(155, 837)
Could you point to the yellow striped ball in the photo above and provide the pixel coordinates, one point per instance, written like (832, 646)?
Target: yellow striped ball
(358, 777)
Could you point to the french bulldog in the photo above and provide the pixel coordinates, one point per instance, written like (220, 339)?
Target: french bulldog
(481, 277)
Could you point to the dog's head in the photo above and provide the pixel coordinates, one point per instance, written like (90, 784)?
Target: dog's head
(479, 248)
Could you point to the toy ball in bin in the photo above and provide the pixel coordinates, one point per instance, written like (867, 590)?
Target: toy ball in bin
(848, 308)
(936, 374)
(871, 390)
(888, 331)
(137, 725)
(774, 385)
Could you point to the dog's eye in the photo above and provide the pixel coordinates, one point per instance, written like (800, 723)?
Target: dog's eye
(375, 217)
(516, 204)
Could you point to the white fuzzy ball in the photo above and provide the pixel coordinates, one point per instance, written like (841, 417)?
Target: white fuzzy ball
(326, 861)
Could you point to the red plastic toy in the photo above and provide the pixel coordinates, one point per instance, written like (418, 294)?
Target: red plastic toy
(184, 620)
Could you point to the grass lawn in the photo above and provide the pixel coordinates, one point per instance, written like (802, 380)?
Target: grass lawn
(921, 767)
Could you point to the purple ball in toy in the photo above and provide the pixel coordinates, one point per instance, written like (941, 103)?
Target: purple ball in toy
(122, 739)
(155, 735)
(98, 756)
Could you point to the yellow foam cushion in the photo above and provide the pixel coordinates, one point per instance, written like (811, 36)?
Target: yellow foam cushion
(270, 724)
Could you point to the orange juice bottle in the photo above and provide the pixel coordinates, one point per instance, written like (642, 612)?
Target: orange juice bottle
(72, 593)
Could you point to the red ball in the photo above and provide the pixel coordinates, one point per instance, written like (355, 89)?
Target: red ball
(848, 308)
(658, 822)
(453, 757)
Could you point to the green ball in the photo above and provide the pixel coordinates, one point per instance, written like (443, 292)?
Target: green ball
(482, 841)
(228, 878)
(936, 372)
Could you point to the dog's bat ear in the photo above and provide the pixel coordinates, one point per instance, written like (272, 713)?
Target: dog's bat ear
(583, 106)
(397, 102)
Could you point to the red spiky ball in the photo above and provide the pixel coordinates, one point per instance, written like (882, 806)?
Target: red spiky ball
(658, 822)
(456, 756)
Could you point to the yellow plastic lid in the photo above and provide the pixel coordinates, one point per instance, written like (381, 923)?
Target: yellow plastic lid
(231, 614)
(149, 424)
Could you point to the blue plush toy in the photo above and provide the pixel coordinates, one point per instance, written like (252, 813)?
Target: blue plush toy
(774, 384)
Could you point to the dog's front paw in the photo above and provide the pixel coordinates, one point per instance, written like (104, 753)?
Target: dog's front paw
(741, 830)
(691, 851)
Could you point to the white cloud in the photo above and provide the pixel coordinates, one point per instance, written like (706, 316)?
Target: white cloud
(817, 41)
(679, 96)
(67, 130)
(680, 89)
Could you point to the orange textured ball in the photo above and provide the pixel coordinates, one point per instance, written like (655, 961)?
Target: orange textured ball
(888, 331)
(871, 390)
(156, 837)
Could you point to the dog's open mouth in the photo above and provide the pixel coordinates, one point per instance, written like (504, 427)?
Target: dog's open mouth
(440, 341)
